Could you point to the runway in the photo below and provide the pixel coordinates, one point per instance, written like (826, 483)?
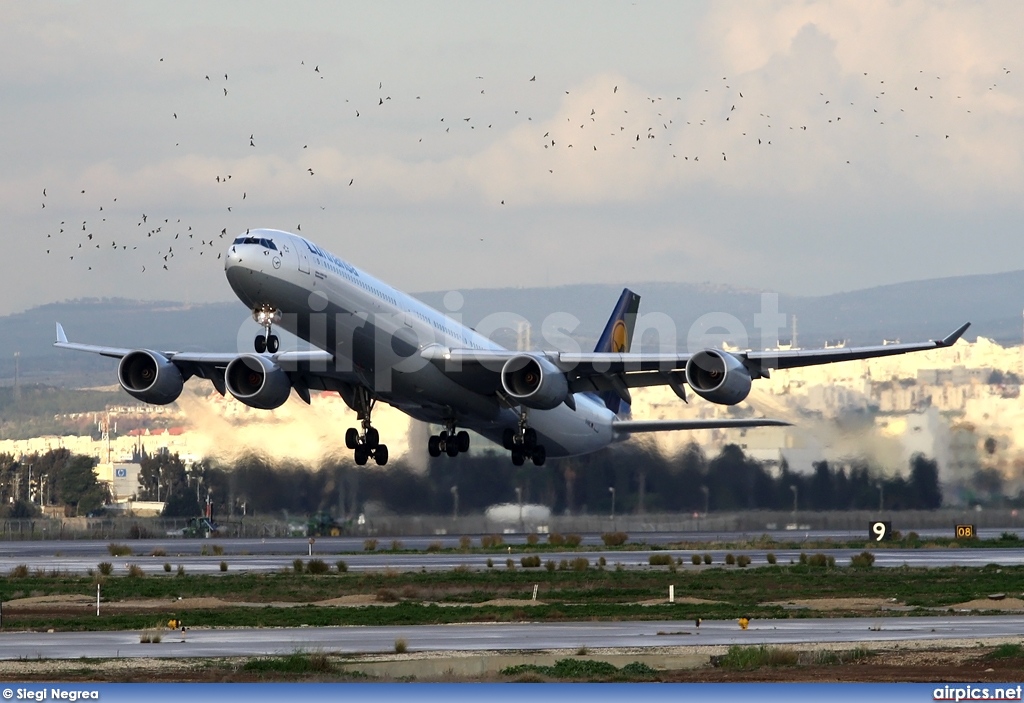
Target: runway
(254, 555)
(502, 637)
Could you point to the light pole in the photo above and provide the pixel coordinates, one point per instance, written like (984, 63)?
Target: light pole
(611, 489)
(519, 499)
(159, 480)
(28, 488)
(455, 502)
(707, 498)
(42, 490)
(793, 488)
(881, 496)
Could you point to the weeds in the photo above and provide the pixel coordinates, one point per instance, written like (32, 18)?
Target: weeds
(317, 566)
(295, 663)
(739, 657)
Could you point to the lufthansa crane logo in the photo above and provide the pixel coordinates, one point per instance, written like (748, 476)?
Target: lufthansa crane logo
(619, 337)
(277, 262)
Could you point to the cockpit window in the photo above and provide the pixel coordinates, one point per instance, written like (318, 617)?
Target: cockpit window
(265, 243)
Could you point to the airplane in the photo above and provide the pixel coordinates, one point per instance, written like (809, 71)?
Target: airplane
(370, 342)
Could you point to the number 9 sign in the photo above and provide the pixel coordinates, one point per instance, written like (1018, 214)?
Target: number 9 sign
(880, 530)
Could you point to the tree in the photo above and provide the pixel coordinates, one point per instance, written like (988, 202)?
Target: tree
(77, 485)
(924, 483)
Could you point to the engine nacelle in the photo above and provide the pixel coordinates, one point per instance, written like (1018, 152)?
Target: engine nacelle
(150, 377)
(717, 376)
(257, 381)
(534, 381)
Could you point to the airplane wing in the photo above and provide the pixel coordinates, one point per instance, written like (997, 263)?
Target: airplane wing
(211, 366)
(636, 426)
(602, 371)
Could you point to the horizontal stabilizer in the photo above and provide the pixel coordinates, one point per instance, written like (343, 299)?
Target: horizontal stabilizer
(635, 426)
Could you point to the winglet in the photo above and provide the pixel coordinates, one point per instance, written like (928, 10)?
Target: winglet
(950, 339)
(61, 337)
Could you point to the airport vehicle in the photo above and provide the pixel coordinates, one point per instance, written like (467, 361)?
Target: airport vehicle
(197, 527)
(323, 524)
(370, 342)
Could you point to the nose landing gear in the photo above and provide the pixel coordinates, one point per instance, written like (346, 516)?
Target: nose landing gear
(266, 316)
(366, 444)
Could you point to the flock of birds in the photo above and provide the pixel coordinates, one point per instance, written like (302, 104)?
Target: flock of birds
(723, 123)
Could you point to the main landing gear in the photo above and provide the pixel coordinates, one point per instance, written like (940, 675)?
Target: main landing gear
(522, 442)
(367, 444)
(449, 441)
(266, 316)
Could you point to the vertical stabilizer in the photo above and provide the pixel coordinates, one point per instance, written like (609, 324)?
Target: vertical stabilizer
(616, 339)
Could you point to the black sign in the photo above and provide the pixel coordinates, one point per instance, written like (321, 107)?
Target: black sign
(965, 532)
(880, 530)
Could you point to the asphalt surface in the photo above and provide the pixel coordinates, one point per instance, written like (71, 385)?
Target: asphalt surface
(256, 555)
(299, 544)
(508, 636)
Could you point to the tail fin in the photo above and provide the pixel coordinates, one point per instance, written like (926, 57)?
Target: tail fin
(616, 338)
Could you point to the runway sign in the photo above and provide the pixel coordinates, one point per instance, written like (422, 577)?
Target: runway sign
(880, 530)
(965, 532)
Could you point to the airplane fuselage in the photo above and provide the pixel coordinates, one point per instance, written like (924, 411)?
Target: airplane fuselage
(379, 333)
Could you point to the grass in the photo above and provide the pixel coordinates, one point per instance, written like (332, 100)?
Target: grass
(1007, 651)
(296, 663)
(586, 594)
(758, 657)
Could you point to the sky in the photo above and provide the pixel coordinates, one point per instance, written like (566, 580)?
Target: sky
(802, 147)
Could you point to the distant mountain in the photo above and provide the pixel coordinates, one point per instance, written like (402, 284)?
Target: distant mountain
(911, 311)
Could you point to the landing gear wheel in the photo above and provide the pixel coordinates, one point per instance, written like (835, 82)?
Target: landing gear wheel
(372, 438)
(260, 344)
(434, 446)
(539, 455)
(462, 441)
(508, 439)
(451, 447)
(361, 455)
(351, 438)
(273, 344)
(518, 457)
(380, 454)
(529, 438)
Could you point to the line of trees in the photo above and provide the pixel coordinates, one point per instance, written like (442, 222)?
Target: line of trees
(643, 481)
(636, 478)
(56, 477)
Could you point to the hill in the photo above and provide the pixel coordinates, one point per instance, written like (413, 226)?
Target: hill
(910, 311)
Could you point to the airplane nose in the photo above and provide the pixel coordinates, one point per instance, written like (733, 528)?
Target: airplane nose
(232, 259)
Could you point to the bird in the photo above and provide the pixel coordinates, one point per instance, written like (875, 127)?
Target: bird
(351, 181)
(225, 91)
(533, 79)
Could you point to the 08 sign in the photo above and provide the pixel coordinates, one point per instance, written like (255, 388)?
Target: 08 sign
(880, 530)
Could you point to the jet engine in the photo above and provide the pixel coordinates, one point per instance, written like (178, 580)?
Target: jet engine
(150, 377)
(717, 376)
(257, 381)
(534, 381)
